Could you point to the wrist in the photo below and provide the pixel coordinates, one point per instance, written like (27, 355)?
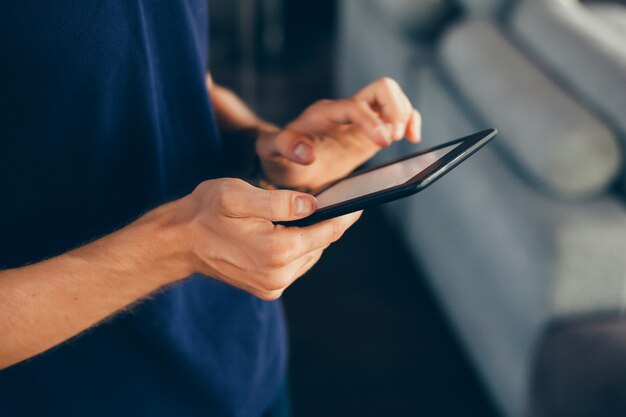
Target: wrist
(167, 250)
(265, 127)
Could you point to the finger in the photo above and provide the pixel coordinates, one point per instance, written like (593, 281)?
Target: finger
(326, 115)
(301, 265)
(308, 262)
(243, 200)
(289, 270)
(208, 80)
(414, 130)
(287, 144)
(320, 235)
(394, 106)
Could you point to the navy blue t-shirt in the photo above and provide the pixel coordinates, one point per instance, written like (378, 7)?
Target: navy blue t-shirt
(103, 115)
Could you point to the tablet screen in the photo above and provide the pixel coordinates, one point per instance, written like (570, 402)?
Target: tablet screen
(379, 179)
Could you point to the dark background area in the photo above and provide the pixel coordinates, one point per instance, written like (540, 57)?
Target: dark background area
(368, 339)
(367, 336)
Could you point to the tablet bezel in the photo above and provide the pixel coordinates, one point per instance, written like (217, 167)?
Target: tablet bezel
(468, 145)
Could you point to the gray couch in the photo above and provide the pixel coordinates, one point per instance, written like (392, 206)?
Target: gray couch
(528, 238)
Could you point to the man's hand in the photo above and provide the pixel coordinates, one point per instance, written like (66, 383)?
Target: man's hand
(223, 229)
(228, 227)
(332, 138)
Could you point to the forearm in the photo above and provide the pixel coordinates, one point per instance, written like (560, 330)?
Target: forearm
(231, 112)
(44, 304)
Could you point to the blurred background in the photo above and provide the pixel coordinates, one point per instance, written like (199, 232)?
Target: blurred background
(500, 291)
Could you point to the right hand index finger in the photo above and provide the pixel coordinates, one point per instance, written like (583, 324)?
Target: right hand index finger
(325, 115)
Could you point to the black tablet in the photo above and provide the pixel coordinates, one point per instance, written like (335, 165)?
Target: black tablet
(393, 180)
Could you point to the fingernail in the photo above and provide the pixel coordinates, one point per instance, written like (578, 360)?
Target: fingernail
(385, 132)
(302, 152)
(399, 131)
(302, 206)
(417, 129)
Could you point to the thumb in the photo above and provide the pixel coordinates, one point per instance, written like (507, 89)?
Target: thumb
(273, 205)
(287, 144)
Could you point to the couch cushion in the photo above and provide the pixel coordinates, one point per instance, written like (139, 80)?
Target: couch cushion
(419, 18)
(503, 258)
(565, 385)
(547, 134)
(369, 49)
(612, 13)
(484, 8)
(582, 49)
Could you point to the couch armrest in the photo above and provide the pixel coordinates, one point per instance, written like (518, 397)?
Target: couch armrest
(417, 18)
(547, 134)
(585, 51)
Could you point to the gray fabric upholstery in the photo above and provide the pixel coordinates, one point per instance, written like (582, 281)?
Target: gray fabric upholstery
(581, 370)
(588, 54)
(612, 13)
(416, 18)
(376, 50)
(502, 257)
(484, 8)
(549, 135)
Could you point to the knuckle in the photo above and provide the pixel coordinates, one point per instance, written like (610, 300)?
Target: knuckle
(265, 296)
(322, 103)
(228, 193)
(279, 254)
(276, 280)
(270, 295)
(203, 186)
(388, 82)
(204, 191)
(359, 105)
(281, 203)
(354, 102)
(276, 258)
(223, 198)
